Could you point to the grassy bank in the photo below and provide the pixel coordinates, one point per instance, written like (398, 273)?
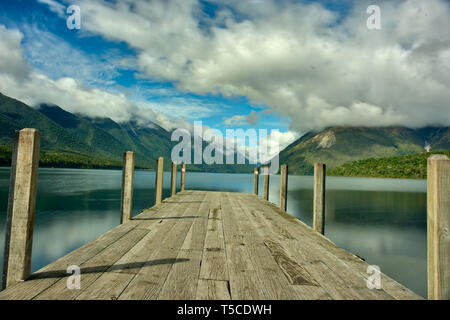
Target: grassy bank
(413, 166)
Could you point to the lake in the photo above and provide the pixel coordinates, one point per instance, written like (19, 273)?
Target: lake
(380, 220)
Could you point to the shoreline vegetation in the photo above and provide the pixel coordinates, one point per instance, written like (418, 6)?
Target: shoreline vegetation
(412, 166)
(51, 159)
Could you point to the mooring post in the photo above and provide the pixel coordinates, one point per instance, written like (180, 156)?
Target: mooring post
(319, 198)
(174, 179)
(255, 183)
(283, 186)
(183, 177)
(438, 226)
(126, 206)
(159, 180)
(21, 206)
(266, 183)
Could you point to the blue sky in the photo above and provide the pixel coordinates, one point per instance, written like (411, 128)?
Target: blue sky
(289, 65)
(36, 20)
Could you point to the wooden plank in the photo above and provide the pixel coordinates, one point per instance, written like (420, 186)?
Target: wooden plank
(159, 180)
(275, 282)
(311, 293)
(319, 198)
(43, 278)
(283, 186)
(126, 203)
(149, 281)
(312, 252)
(93, 268)
(114, 281)
(213, 290)
(294, 272)
(195, 239)
(214, 264)
(173, 186)
(181, 283)
(263, 279)
(438, 226)
(231, 233)
(183, 177)
(266, 184)
(147, 284)
(244, 283)
(21, 207)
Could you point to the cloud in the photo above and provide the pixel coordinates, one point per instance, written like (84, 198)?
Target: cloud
(55, 57)
(12, 63)
(302, 60)
(20, 81)
(236, 120)
(55, 7)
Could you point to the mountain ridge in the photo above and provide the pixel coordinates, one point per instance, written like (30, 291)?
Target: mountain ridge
(105, 140)
(341, 144)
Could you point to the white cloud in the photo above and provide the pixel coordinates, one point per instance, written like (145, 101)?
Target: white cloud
(236, 120)
(12, 63)
(20, 81)
(55, 57)
(55, 7)
(295, 57)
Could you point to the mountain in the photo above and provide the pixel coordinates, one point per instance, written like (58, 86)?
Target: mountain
(102, 142)
(15, 115)
(148, 143)
(338, 145)
(71, 140)
(75, 135)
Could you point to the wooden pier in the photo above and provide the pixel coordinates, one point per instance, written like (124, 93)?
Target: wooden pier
(209, 245)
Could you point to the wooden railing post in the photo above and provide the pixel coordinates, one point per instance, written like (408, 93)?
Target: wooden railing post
(283, 186)
(126, 205)
(183, 177)
(174, 179)
(255, 182)
(438, 226)
(159, 180)
(21, 206)
(266, 183)
(319, 198)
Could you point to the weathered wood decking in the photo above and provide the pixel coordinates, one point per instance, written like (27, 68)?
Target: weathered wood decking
(209, 245)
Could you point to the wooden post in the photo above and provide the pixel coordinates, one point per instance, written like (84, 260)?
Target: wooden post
(283, 186)
(183, 177)
(319, 198)
(126, 205)
(438, 226)
(266, 184)
(159, 180)
(174, 179)
(255, 183)
(21, 206)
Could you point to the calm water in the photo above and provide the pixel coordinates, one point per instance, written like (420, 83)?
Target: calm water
(381, 220)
